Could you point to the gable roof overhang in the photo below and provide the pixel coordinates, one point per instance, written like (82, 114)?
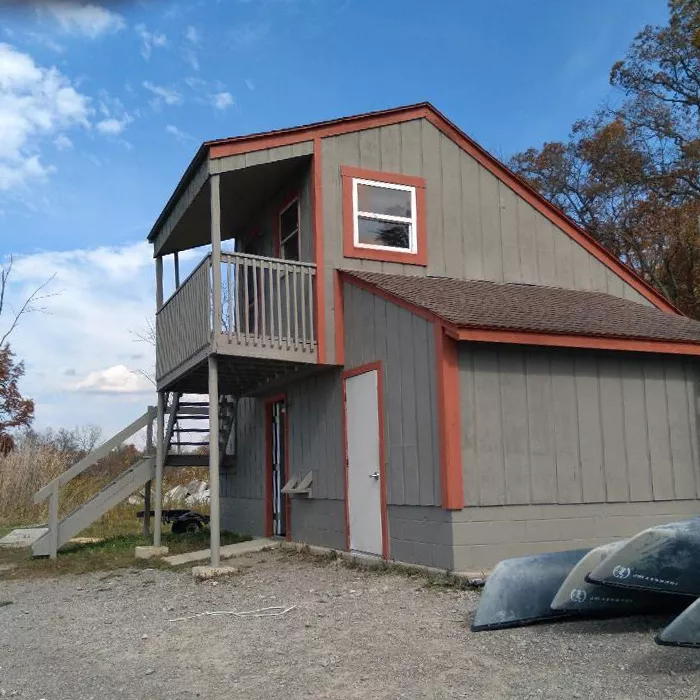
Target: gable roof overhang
(489, 312)
(221, 148)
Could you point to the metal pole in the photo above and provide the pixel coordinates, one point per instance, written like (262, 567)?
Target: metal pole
(176, 261)
(149, 483)
(214, 514)
(160, 458)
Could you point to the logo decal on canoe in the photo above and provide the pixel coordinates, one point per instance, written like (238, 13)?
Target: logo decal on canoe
(577, 595)
(621, 572)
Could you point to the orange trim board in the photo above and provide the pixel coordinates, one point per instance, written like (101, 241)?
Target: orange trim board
(308, 132)
(315, 132)
(382, 453)
(339, 315)
(486, 335)
(350, 250)
(319, 259)
(449, 419)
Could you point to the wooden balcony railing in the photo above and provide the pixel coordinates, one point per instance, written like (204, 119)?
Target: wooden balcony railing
(267, 311)
(268, 305)
(183, 324)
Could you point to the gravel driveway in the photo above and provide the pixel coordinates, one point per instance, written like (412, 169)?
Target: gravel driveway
(353, 634)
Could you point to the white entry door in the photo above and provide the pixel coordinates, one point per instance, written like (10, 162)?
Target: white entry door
(364, 473)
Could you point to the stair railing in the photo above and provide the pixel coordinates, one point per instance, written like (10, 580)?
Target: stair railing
(52, 489)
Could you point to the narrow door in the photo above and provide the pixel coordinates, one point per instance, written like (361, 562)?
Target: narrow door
(363, 462)
(279, 468)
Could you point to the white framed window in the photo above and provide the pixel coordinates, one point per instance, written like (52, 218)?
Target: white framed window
(384, 216)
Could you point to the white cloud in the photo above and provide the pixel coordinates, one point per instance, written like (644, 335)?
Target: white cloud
(177, 133)
(195, 83)
(112, 126)
(163, 94)
(250, 84)
(191, 58)
(222, 100)
(89, 20)
(45, 40)
(104, 294)
(193, 40)
(35, 103)
(150, 40)
(249, 35)
(63, 143)
(118, 379)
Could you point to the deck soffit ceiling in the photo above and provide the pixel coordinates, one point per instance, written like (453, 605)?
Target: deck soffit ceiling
(243, 192)
(210, 151)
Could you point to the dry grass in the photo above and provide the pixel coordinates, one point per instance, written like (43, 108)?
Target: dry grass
(111, 554)
(30, 467)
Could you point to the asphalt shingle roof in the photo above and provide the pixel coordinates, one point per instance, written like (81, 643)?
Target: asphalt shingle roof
(534, 308)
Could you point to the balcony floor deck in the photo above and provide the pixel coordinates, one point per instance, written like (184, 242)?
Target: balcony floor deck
(243, 376)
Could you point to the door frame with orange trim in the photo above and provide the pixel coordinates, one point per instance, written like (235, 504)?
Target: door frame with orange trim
(269, 446)
(384, 514)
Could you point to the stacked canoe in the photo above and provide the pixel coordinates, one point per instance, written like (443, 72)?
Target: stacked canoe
(656, 572)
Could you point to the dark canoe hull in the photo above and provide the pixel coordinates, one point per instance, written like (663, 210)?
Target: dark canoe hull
(578, 595)
(684, 631)
(520, 591)
(662, 559)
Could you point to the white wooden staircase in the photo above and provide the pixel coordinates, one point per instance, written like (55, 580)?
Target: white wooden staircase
(134, 478)
(185, 418)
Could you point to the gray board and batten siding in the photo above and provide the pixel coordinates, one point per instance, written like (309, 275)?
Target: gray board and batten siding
(243, 481)
(315, 432)
(378, 330)
(478, 228)
(420, 530)
(552, 425)
(571, 448)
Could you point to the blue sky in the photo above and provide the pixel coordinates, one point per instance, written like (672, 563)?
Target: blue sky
(102, 107)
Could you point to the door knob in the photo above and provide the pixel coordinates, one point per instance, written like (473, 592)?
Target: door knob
(374, 475)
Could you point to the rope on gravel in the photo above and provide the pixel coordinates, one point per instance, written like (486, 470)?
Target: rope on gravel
(272, 611)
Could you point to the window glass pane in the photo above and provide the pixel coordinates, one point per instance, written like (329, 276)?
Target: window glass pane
(385, 233)
(380, 200)
(290, 249)
(289, 220)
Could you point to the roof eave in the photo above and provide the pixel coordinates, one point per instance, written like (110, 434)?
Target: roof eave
(199, 157)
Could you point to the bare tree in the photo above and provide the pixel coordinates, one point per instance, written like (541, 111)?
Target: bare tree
(33, 303)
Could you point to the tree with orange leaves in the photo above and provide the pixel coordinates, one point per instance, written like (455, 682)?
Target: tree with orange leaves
(631, 175)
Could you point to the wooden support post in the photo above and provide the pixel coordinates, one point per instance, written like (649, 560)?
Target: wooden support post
(159, 283)
(215, 206)
(147, 487)
(214, 513)
(160, 459)
(176, 262)
(53, 521)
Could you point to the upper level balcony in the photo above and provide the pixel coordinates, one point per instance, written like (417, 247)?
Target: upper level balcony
(262, 310)
(255, 309)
